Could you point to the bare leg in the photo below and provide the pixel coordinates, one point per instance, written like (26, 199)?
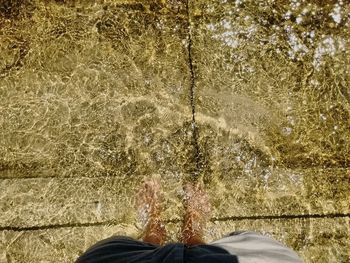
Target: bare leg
(197, 213)
(149, 209)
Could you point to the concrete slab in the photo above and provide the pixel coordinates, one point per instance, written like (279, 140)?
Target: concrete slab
(97, 96)
(93, 90)
(45, 202)
(281, 192)
(276, 74)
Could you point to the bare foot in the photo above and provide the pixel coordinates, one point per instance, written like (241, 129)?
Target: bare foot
(197, 213)
(197, 200)
(148, 207)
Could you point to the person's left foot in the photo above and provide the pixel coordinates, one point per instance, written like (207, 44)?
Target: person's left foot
(197, 213)
(148, 207)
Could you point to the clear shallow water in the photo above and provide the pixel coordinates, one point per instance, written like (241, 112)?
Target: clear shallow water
(96, 97)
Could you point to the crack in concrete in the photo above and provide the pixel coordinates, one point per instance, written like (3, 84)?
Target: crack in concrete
(221, 219)
(194, 127)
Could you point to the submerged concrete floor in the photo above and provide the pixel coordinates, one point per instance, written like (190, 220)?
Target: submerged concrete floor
(252, 97)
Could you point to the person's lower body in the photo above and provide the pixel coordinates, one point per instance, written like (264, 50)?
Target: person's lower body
(253, 247)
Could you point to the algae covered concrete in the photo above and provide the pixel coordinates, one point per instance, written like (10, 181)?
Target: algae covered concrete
(252, 97)
(277, 72)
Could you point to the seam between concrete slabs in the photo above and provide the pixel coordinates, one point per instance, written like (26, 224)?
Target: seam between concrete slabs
(223, 219)
(192, 95)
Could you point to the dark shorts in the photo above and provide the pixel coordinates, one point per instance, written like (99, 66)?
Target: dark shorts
(119, 249)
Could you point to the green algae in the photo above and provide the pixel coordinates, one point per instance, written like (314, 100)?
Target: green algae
(97, 96)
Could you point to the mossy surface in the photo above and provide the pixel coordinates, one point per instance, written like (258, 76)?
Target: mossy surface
(249, 96)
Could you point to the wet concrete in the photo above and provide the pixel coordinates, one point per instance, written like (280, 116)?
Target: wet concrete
(249, 96)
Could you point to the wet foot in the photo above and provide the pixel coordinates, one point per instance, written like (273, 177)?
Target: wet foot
(149, 209)
(197, 213)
